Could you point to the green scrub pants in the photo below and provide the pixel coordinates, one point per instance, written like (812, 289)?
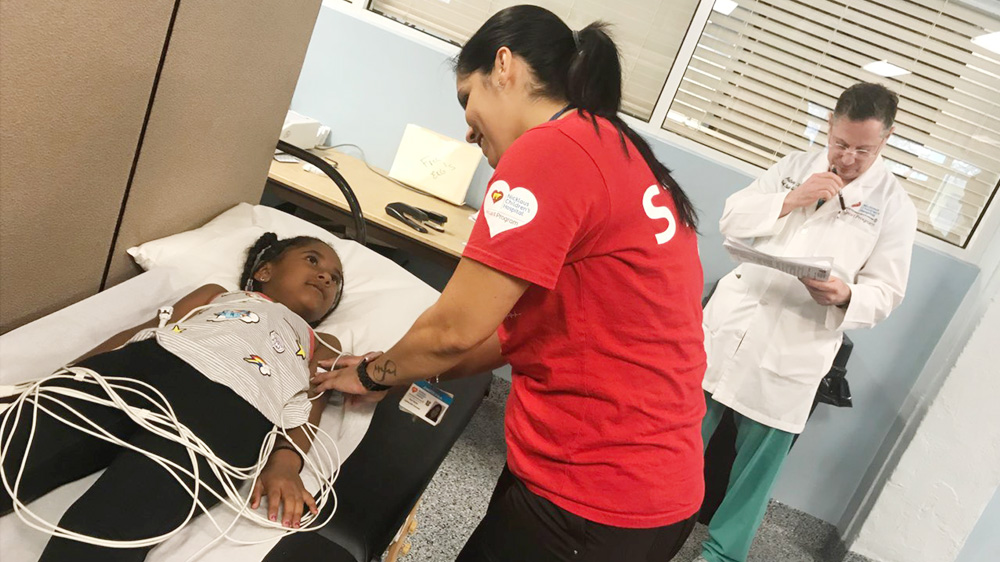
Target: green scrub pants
(760, 452)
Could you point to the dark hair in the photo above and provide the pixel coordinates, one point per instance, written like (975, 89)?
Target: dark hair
(269, 248)
(581, 67)
(867, 100)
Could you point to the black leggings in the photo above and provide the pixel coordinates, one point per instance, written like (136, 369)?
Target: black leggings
(520, 525)
(135, 498)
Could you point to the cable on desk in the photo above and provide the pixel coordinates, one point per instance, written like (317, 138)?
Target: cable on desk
(369, 166)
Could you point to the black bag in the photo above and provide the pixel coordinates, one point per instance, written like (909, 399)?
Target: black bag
(833, 389)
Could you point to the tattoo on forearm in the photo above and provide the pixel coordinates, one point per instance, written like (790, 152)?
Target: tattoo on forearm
(384, 371)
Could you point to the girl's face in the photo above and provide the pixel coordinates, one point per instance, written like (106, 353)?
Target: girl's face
(307, 279)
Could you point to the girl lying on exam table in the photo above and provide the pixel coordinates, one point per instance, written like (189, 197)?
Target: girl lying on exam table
(233, 367)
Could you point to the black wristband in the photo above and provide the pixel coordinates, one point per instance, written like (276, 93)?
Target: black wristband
(289, 447)
(367, 381)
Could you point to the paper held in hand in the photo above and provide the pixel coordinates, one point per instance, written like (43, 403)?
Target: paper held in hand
(813, 268)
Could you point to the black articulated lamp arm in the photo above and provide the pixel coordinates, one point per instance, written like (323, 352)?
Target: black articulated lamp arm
(360, 232)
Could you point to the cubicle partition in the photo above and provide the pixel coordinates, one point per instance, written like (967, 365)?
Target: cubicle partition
(125, 121)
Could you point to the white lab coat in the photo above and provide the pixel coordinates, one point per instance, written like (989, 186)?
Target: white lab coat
(768, 342)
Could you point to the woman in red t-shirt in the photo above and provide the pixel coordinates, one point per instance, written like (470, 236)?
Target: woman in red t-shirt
(582, 272)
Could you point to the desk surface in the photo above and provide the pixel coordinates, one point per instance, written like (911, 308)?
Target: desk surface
(374, 192)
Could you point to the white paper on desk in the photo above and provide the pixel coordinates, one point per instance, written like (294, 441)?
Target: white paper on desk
(435, 164)
(812, 268)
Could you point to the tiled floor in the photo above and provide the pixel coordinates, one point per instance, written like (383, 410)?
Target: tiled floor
(457, 498)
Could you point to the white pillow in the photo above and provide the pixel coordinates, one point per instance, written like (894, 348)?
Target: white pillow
(381, 300)
(171, 249)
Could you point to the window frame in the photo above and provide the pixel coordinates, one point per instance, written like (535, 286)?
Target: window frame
(979, 245)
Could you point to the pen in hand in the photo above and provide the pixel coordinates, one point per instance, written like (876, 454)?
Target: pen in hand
(840, 196)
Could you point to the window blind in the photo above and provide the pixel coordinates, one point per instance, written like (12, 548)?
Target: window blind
(764, 77)
(648, 32)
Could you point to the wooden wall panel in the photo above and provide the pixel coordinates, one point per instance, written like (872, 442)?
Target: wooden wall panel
(75, 80)
(226, 84)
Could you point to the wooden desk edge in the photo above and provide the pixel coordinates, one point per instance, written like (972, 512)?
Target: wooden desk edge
(283, 179)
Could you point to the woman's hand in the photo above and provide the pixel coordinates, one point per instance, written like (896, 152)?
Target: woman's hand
(281, 483)
(325, 366)
(344, 378)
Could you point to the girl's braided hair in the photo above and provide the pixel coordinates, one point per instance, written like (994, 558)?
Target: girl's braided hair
(269, 248)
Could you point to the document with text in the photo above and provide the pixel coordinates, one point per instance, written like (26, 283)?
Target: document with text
(812, 268)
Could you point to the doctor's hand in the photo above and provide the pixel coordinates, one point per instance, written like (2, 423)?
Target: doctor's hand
(833, 292)
(825, 185)
(344, 378)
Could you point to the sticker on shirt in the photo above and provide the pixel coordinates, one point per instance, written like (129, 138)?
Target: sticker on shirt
(243, 315)
(276, 342)
(507, 208)
(176, 329)
(260, 364)
(300, 352)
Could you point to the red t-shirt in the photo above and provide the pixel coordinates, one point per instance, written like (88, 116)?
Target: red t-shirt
(606, 345)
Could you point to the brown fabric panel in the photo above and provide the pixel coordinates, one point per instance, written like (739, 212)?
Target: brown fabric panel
(226, 84)
(75, 80)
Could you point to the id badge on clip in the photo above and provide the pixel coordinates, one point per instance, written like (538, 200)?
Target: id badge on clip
(426, 402)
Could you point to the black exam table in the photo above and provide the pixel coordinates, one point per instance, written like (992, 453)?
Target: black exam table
(383, 479)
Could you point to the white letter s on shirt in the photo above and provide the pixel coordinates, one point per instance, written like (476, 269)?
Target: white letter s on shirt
(654, 212)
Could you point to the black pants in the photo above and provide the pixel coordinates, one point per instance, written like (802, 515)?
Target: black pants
(520, 526)
(135, 498)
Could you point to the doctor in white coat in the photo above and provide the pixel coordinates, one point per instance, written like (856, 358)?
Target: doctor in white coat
(771, 337)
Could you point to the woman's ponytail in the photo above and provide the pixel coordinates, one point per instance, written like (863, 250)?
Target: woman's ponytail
(594, 83)
(580, 67)
(595, 86)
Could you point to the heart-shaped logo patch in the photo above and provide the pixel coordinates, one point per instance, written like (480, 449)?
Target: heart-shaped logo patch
(507, 208)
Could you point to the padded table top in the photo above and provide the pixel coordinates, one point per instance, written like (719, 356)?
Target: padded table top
(385, 476)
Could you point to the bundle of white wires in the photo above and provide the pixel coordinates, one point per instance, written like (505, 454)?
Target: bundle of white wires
(160, 420)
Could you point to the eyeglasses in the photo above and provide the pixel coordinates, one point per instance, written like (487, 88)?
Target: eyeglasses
(859, 153)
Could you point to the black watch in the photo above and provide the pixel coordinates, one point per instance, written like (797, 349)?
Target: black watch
(367, 381)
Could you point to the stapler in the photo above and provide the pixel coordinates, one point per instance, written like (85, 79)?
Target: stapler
(416, 218)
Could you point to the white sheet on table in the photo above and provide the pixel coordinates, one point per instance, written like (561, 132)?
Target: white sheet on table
(383, 302)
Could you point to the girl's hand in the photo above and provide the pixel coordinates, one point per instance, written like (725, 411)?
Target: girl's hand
(281, 483)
